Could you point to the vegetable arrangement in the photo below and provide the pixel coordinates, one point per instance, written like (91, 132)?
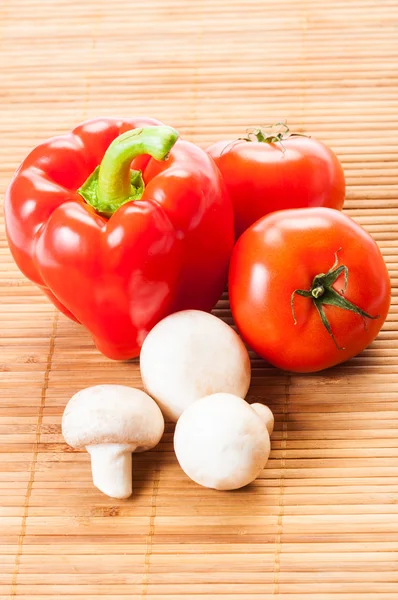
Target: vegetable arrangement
(129, 230)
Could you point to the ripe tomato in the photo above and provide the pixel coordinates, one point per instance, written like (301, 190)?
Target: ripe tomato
(308, 288)
(274, 172)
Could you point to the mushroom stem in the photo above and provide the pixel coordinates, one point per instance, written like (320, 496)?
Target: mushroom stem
(111, 466)
(265, 415)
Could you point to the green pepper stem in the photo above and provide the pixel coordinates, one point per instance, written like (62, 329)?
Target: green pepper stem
(113, 183)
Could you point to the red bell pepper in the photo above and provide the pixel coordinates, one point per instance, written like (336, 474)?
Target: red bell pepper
(117, 239)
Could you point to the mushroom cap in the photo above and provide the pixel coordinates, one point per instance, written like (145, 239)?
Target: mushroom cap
(112, 414)
(191, 354)
(221, 442)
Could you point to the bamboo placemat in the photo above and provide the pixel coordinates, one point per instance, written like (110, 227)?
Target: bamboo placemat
(322, 521)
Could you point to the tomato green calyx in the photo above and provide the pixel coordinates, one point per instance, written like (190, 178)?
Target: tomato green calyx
(271, 134)
(323, 293)
(113, 183)
(268, 134)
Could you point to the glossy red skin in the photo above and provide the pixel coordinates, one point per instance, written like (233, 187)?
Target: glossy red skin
(119, 277)
(261, 178)
(283, 252)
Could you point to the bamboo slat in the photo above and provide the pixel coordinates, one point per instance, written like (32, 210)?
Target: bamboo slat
(321, 522)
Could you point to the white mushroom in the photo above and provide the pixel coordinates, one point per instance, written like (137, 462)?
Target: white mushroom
(192, 354)
(111, 422)
(223, 442)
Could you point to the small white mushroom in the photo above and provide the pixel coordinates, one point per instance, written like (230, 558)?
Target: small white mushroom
(223, 442)
(192, 354)
(112, 422)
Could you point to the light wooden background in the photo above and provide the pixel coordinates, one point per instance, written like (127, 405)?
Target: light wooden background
(321, 523)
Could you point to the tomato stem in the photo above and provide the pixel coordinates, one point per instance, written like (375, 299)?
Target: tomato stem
(267, 134)
(113, 183)
(323, 294)
(318, 291)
